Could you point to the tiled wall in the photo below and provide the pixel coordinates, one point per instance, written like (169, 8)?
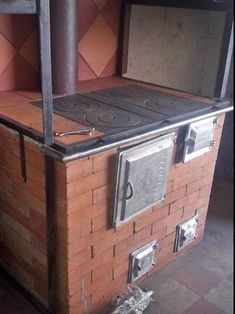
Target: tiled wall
(98, 39)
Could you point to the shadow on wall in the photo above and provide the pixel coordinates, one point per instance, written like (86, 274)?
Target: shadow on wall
(224, 168)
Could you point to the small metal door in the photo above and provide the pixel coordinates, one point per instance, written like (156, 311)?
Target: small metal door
(199, 138)
(142, 177)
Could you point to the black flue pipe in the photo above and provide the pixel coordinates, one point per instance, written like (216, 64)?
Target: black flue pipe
(64, 45)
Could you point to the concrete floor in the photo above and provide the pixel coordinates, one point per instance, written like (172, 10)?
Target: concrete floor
(198, 282)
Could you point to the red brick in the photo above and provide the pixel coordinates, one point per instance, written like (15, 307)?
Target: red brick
(34, 158)
(186, 179)
(6, 254)
(144, 219)
(81, 169)
(40, 243)
(79, 202)
(9, 140)
(203, 160)
(119, 286)
(99, 222)
(189, 210)
(196, 185)
(89, 213)
(166, 254)
(121, 270)
(167, 241)
(104, 269)
(205, 191)
(82, 229)
(162, 212)
(179, 170)
(132, 241)
(203, 201)
(217, 136)
(159, 228)
(102, 258)
(208, 170)
(30, 200)
(104, 161)
(89, 183)
(173, 220)
(103, 192)
(188, 199)
(37, 223)
(202, 211)
(174, 196)
(77, 260)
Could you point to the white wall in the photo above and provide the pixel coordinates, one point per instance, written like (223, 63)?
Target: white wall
(178, 48)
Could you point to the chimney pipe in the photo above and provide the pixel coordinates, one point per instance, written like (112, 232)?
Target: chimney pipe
(64, 45)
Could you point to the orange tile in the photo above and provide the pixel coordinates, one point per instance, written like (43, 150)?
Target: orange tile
(98, 37)
(100, 3)
(31, 94)
(29, 51)
(7, 53)
(9, 99)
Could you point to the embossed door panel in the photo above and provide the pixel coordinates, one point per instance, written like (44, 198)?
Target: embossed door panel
(199, 138)
(142, 177)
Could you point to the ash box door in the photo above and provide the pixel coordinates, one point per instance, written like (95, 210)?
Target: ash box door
(142, 177)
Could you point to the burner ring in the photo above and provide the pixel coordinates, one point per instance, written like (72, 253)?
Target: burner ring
(164, 102)
(75, 107)
(113, 119)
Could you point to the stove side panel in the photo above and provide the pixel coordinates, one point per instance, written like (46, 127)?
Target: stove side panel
(97, 257)
(23, 252)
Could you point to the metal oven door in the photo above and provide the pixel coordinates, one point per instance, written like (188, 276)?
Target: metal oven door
(199, 138)
(142, 177)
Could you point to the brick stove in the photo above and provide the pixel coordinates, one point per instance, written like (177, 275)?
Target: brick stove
(68, 233)
(92, 255)
(94, 270)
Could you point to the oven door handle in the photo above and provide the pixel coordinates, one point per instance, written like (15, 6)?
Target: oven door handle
(129, 186)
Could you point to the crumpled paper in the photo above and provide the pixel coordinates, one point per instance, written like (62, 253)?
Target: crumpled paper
(135, 302)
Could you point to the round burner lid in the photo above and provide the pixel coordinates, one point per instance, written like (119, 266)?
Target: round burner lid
(163, 101)
(82, 105)
(113, 119)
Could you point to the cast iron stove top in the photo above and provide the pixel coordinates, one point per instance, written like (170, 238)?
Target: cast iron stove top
(122, 108)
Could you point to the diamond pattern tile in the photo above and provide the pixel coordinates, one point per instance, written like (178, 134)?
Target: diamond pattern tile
(101, 3)
(85, 72)
(17, 28)
(98, 28)
(110, 67)
(111, 12)
(7, 53)
(29, 50)
(98, 46)
(87, 13)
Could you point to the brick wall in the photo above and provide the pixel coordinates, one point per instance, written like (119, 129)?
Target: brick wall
(94, 259)
(22, 214)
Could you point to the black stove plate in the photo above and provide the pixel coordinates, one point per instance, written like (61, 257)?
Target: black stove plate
(119, 109)
(105, 118)
(152, 100)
